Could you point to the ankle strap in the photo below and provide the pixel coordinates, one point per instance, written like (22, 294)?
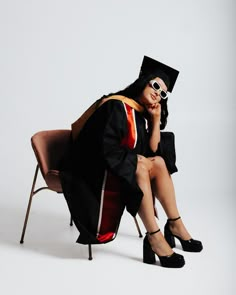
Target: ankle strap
(152, 233)
(173, 219)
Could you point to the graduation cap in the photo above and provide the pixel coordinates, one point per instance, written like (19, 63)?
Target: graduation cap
(166, 73)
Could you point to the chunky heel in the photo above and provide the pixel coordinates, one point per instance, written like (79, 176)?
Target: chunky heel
(190, 245)
(174, 260)
(148, 254)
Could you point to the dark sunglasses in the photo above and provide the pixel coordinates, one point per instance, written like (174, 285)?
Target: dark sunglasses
(158, 88)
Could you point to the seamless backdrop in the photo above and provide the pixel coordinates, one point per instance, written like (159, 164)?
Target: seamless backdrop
(57, 57)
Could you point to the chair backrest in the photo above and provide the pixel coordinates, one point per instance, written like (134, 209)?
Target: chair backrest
(49, 147)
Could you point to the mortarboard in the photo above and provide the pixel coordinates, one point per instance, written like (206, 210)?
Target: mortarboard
(150, 65)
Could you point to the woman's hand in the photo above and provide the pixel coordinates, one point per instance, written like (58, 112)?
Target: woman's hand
(154, 110)
(146, 161)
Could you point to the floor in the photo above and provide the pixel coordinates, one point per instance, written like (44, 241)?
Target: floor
(50, 262)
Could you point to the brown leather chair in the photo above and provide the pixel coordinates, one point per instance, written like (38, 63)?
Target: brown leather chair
(49, 147)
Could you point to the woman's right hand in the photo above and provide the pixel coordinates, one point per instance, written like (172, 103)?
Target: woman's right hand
(154, 110)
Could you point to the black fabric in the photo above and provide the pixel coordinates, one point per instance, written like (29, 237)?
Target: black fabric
(98, 148)
(166, 149)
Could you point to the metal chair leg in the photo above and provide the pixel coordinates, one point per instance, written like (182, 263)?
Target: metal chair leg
(90, 252)
(138, 228)
(29, 205)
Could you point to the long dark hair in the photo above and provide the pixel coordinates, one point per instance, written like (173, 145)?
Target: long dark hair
(135, 89)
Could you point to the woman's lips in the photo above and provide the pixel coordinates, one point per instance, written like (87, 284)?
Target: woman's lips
(153, 97)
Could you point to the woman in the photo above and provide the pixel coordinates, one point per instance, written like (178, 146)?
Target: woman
(120, 159)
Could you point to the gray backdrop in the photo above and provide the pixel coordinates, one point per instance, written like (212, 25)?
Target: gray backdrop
(57, 57)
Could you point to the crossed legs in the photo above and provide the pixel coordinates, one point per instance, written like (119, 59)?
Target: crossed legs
(152, 174)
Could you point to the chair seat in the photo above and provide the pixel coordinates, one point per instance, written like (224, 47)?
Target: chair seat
(52, 179)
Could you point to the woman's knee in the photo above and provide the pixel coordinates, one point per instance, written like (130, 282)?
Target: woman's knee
(159, 163)
(142, 168)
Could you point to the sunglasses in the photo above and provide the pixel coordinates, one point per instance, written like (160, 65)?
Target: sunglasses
(158, 88)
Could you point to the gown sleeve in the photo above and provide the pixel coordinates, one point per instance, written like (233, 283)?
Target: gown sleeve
(118, 157)
(121, 160)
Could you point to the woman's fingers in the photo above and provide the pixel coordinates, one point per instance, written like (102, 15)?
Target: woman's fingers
(154, 109)
(146, 161)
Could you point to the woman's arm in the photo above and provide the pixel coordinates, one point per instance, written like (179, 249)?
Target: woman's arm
(155, 117)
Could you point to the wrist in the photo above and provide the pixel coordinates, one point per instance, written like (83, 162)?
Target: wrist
(156, 119)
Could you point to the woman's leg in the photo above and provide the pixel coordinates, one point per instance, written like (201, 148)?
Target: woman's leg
(164, 188)
(146, 210)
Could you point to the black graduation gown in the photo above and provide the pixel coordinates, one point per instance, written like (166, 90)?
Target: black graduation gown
(98, 173)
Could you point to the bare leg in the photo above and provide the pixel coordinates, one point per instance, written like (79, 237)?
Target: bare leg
(164, 187)
(146, 211)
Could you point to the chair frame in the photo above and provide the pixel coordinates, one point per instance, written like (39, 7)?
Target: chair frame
(33, 192)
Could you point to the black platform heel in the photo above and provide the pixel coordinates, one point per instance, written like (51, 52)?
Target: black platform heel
(190, 245)
(174, 260)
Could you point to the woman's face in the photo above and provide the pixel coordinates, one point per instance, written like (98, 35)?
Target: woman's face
(151, 97)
